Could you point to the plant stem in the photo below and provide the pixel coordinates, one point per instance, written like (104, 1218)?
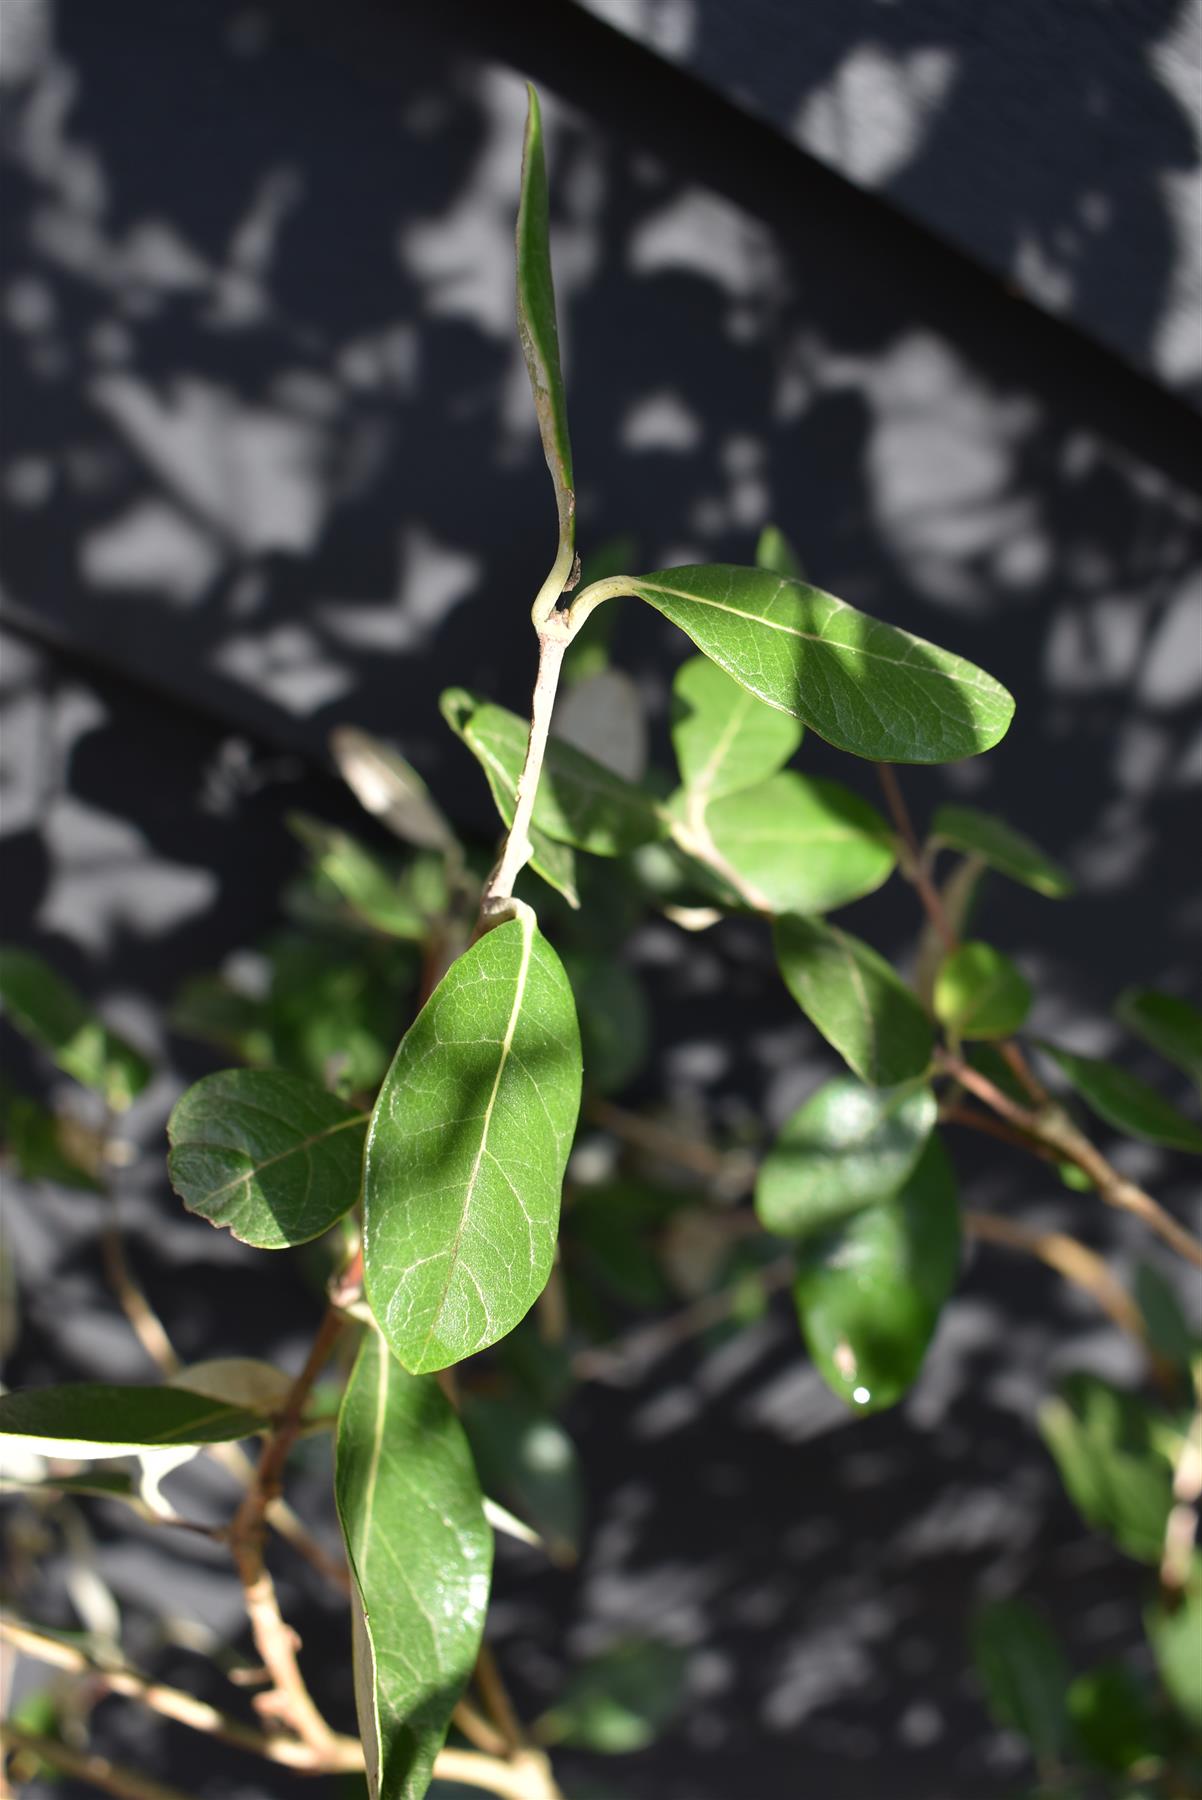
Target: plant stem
(1181, 1527)
(912, 864)
(553, 640)
(88, 1766)
(1070, 1258)
(997, 1128)
(526, 1777)
(496, 1699)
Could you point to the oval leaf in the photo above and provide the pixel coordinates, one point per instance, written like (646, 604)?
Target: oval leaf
(467, 1148)
(47, 1009)
(980, 994)
(869, 1291)
(724, 738)
(539, 332)
(1171, 1026)
(774, 551)
(848, 1147)
(272, 1157)
(367, 884)
(865, 687)
(800, 844)
(88, 1420)
(386, 786)
(855, 999)
(1125, 1102)
(1106, 1446)
(979, 834)
(421, 1553)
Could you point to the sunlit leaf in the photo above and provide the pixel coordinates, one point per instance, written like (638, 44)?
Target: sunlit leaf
(870, 1289)
(855, 999)
(1114, 1470)
(45, 1008)
(388, 788)
(866, 687)
(271, 1156)
(467, 1148)
(774, 551)
(88, 1420)
(1175, 1634)
(795, 843)
(539, 333)
(1171, 1026)
(979, 834)
(369, 887)
(724, 738)
(620, 1701)
(980, 994)
(848, 1147)
(1023, 1668)
(421, 1552)
(1126, 1102)
(527, 1459)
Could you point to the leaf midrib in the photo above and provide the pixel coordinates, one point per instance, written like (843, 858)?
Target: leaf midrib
(297, 1149)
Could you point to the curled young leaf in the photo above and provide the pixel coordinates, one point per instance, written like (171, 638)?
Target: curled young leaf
(866, 687)
(467, 1148)
(855, 999)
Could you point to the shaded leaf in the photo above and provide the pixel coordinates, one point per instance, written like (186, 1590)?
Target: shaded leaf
(86, 1420)
(214, 1011)
(864, 686)
(980, 834)
(855, 999)
(47, 1009)
(1175, 1634)
(332, 1013)
(1168, 1331)
(1105, 1445)
(386, 786)
(724, 738)
(238, 1380)
(1023, 1668)
(848, 1147)
(869, 1291)
(527, 1459)
(467, 1148)
(615, 1024)
(774, 551)
(368, 885)
(1113, 1717)
(421, 1553)
(270, 1156)
(47, 1147)
(620, 1701)
(980, 994)
(1171, 1026)
(1126, 1102)
(802, 845)
(553, 861)
(539, 333)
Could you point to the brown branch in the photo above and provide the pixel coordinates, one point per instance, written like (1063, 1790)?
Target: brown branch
(526, 1776)
(912, 865)
(996, 1128)
(145, 1323)
(87, 1765)
(496, 1699)
(1070, 1258)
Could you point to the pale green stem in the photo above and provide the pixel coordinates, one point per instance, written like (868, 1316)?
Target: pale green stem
(553, 639)
(589, 598)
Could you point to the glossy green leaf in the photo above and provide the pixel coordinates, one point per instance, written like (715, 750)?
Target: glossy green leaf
(615, 1022)
(620, 1701)
(848, 1147)
(724, 738)
(774, 551)
(421, 1552)
(539, 333)
(88, 1420)
(272, 1157)
(1023, 1668)
(528, 1461)
(795, 843)
(864, 686)
(369, 887)
(45, 1008)
(855, 999)
(386, 786)
(869, 1290)
(467, 1148)
(980, 994)
(1175, 1634)
(1113, 1718)
(1171, 1026)
(1106, 1447)
(1125, 1102)
(980, 834)
(554, 861)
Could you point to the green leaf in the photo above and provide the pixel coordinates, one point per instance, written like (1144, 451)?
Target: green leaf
(467, 1148)
(1175, 1635)
(368, 885)
(620, 1701)
(421, 1553)
(855, 999)
(47, 1147)
(865, 687)
(775, 552)
(539, 333)
(1125, 1102)
(1171, 1026)
(869, 1291)
(980, 994)
(724, 738)
(848, 1147)
(979, 834)
(1113, 1718)
(43, 1006)
(579, 802)
(86, 1420)
(210, 1009)
(528, 1461)
(797, 843)
(332, 1010)
(1104, 1442)
(1022, 1666)
(272, 1157)
(615, 1023)
(1168, 1330)
(386, 786)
